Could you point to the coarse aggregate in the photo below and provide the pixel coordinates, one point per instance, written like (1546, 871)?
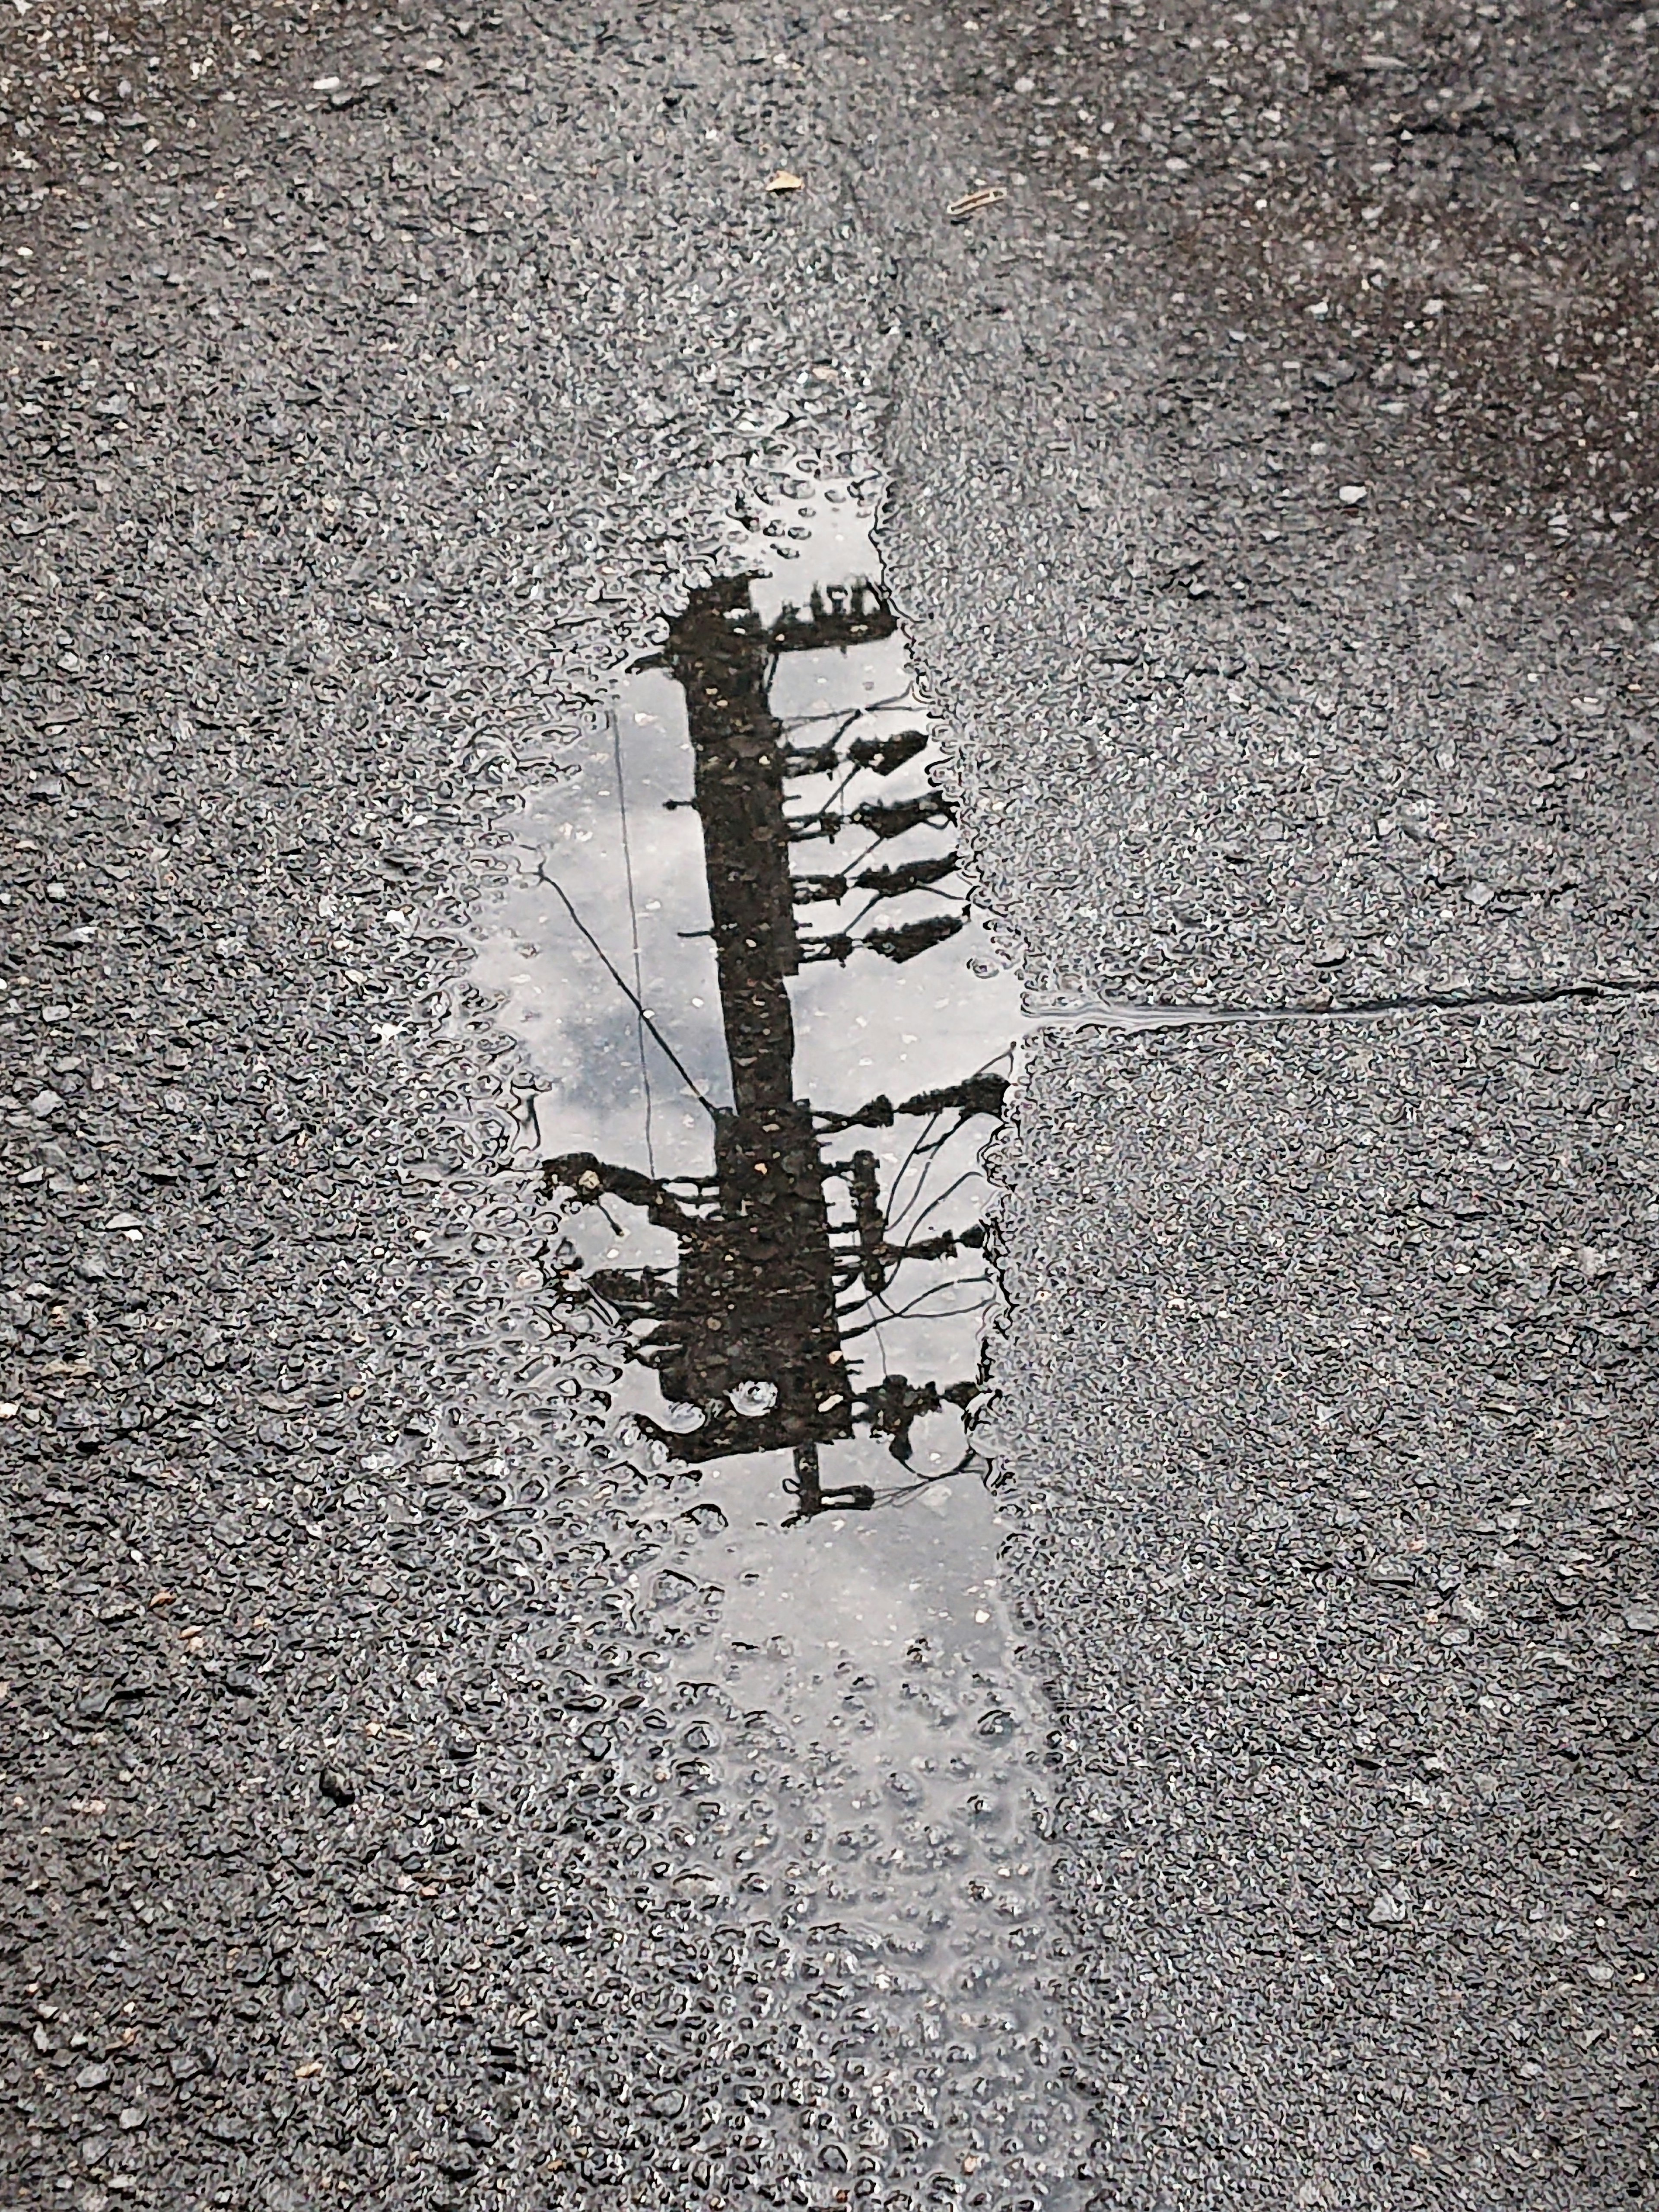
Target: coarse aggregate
(1345, 1542)
(366, 403)
(367, 1848)
(1280, 533)
(1275, 522)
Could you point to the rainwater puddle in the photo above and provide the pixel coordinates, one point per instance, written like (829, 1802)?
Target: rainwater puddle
(766, 1042)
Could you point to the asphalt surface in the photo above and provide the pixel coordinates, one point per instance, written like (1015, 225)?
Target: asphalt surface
(365, 404)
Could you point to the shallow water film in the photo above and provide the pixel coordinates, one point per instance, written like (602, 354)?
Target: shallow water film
(765, 1040)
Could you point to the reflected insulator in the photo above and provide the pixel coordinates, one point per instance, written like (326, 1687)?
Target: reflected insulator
(810, 760)
(810, 889)
(912, 936)
(908, 876)
(891, 817)
(977, 1094)
(886, 754)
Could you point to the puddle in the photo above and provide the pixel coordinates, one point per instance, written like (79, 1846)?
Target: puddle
(766, 1041)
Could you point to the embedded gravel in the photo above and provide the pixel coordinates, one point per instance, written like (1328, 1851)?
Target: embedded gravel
(1345, 1538)
(367, 403)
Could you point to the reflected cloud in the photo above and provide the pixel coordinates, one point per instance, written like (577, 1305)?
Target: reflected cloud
(775, 1043)
(769, 1042)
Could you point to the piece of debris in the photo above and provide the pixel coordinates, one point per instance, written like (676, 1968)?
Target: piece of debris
(784, 180)
(971, 202)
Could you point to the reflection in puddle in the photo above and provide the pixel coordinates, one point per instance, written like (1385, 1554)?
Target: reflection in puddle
(769, 1044)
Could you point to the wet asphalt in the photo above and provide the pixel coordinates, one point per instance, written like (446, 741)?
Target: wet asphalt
(1266, 483)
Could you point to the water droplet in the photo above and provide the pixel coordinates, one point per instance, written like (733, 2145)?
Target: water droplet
(681, 1419)
(753, 1400)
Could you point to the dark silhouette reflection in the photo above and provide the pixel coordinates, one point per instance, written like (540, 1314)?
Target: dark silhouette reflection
(789, 1258)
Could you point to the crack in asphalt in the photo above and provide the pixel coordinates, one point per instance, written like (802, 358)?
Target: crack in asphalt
(1128, 1015)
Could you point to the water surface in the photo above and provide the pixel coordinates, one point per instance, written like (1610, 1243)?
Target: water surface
(768, 1041)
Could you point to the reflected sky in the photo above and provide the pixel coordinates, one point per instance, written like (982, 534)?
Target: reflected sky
(770, 1037)
(768, 1041)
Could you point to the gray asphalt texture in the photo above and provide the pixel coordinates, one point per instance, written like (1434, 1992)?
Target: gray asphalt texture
(355, 430)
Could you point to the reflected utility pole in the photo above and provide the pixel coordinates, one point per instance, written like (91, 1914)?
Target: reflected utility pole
(755, 1296)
